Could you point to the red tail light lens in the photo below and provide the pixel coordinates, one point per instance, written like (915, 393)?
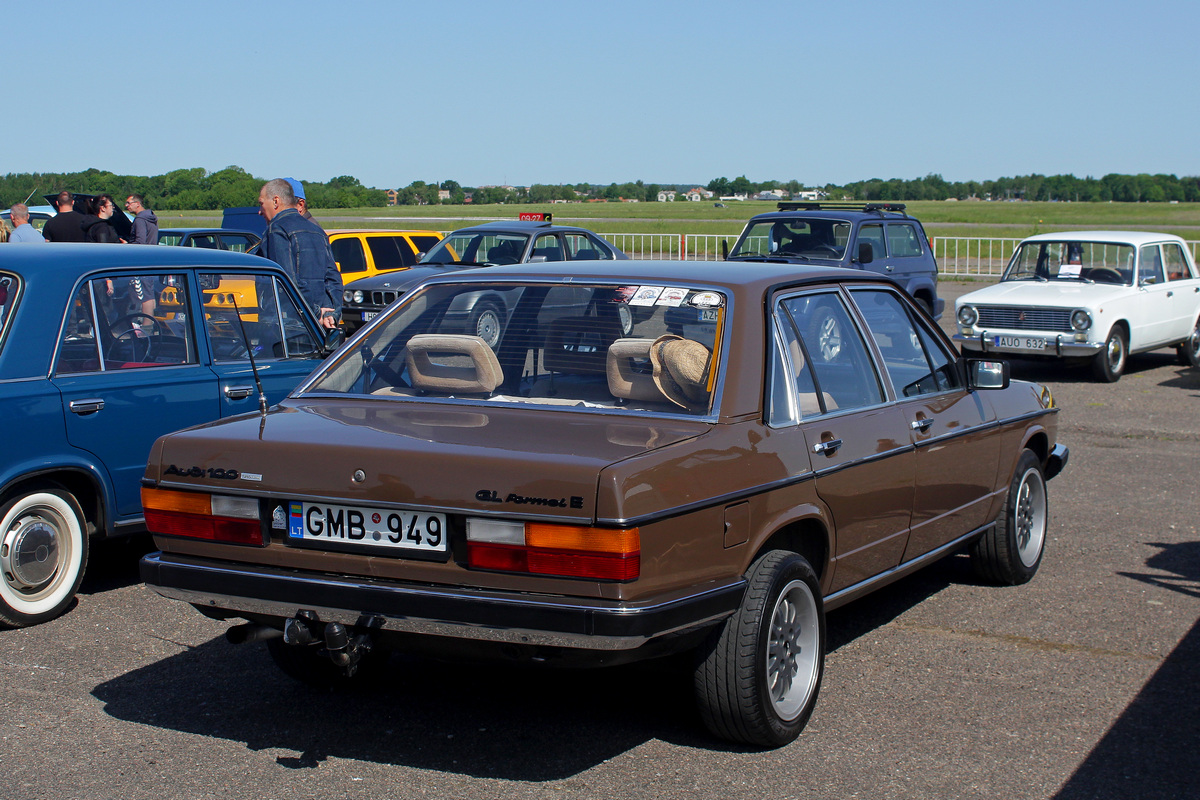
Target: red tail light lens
(605, 554)
(190, 514)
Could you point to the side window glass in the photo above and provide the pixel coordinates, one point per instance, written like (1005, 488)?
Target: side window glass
(548, 247)
(1175, 262)
(207, 241)
(581, 248)
(9, 289)
(348, 254)
(842, 369)
(270, 326)
(235, 242)
(915, 363)
(793, 394)
(390, 252)
(128, 322)
(872, 234)
(1151, 268)
(903, 241)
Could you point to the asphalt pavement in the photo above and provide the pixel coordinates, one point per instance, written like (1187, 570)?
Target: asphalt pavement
(1080, 684)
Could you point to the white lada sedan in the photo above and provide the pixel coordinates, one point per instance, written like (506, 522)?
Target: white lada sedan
(1088, 295)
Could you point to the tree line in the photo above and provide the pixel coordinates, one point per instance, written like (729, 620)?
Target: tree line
(198, 188)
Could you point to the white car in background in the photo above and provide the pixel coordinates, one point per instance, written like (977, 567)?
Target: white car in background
(1088, 295)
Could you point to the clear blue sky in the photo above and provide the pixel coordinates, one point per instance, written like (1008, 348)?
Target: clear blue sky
(564, 92)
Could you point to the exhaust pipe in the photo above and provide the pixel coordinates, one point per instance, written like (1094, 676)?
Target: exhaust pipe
(251, 632)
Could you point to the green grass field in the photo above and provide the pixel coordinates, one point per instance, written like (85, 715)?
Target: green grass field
(941, 219)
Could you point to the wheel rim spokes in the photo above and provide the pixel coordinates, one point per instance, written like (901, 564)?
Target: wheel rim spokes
(1030, 519)
(792, 650)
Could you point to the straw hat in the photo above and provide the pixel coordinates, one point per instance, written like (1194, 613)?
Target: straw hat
(681, 371)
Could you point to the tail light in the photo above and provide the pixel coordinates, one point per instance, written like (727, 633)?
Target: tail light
(606, 554)
(214, 517)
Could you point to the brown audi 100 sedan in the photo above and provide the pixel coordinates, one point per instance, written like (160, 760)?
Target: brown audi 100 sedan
(654, 457)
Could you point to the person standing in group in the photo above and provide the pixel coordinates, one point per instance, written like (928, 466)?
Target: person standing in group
(3, 232)
(22, 230)
(302, 248)
(96, 225)
(301, 201)
(145, 223)
(67, 225)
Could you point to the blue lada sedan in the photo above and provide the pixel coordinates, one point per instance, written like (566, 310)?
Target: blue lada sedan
(104, 348)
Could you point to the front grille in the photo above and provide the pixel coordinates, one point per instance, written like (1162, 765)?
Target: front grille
(381, 297)
(1024, 318)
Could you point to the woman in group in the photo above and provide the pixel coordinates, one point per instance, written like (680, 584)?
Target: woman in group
(96, 225)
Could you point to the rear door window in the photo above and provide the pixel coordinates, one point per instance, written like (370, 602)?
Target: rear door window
(348, 253)
(390, 252)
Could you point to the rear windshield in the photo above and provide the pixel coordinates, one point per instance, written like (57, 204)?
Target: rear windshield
(624, 348)
(10, 289)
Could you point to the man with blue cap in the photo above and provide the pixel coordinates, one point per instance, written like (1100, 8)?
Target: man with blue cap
(302, 248)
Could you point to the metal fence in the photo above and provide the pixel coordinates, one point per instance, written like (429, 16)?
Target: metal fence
(956, 255)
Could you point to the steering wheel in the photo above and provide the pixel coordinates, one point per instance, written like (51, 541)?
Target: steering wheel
(1109, 274)
(828, 248)
(134, 334)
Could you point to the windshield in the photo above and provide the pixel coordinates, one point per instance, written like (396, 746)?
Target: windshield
(797, 238)
(619, 348)
(10, 287)
(1091, 262)
(478, 247)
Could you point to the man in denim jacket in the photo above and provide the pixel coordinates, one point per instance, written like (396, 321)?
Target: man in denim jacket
(302, 248)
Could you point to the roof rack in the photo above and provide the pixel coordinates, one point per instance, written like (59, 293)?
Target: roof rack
(804, 205)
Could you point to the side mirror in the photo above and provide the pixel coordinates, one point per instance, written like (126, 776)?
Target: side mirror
(333, 340)
(866, 253)
(987, 374)
(1150, 281)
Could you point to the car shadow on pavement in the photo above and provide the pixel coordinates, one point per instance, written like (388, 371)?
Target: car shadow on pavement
(113, 563)
(491, 720)
(478, 719)
(1150, 751)
(1060, 372)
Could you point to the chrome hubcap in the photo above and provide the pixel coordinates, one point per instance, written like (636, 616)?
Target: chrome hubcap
(30, 553)
(488, 328)
(831, 339)
(792, 656)
(1115, 352)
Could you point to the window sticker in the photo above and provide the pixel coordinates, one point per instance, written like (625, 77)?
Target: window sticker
(706, 300)
(646, 295)
(671, 297)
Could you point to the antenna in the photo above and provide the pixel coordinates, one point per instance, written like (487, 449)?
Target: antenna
(262, 396)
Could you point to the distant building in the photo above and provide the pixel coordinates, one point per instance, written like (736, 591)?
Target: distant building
(392, 195)
(666, 196)
(810, 194)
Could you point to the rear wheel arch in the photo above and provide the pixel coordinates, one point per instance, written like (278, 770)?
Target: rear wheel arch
(807, 537)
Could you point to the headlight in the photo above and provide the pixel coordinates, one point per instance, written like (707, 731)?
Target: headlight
(347, 296)
(1081, 320)
(358, 296)
(968, 316)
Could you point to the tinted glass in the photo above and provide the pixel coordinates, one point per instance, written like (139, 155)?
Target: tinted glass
(9, 290)
(238, 243)
(581, 248)
(549, 247)
(390, 252)
(807, 237)
(424, 243)
(873, 234)
(348, 253)
(208, 241)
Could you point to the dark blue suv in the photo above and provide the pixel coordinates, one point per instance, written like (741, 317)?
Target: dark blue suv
(879, 237)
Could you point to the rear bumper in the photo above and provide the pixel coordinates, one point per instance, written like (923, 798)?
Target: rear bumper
(547, 620)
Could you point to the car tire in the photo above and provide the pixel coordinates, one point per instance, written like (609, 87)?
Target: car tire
(1011, 550)
(1188, 352)
(1109, 364)
(486, 322)
(43, 553)
(758, 674)
(825, 332)
(309, 664)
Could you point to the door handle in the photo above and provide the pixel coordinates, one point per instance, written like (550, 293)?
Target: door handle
(88, 406)
(889, 268)
(923, 424)
(238, 392)
(1170, 294)
(827, 447)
